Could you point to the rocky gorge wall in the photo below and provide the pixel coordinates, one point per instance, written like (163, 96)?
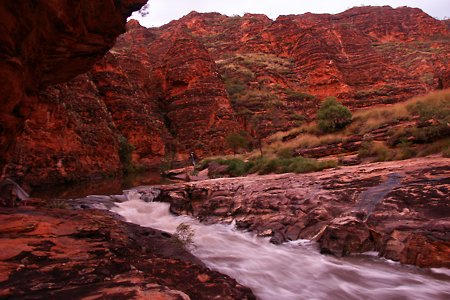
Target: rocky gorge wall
(44, 43)
(363, 56)
(48, 250)
(164, 92)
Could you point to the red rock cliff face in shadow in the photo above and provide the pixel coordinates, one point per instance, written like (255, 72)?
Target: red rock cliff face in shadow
(193, 98)
(181, 87)
(61, 139)
(187, 105)
(162, 95)
(47, 42)
(174, 76)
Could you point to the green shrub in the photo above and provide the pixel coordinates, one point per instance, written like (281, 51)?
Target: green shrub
(377, 150)
(430, 133)
(235, 88)
(405, 150)
(333, 116)
(203, 164)
(236, 167)
(257, 164)
(264, 165)
(440, 146)
(236, 141)
(298, 96)
(184, 236)
(434, 106)
(290, 165)
(398, 136)
(298, 117)
(305, 165)
(125, 151)
(300, 165)
(446, 152)
(327, 164)
(270, 166)
(433, 111)
(366, 149)
(383, 153)
(285, 153)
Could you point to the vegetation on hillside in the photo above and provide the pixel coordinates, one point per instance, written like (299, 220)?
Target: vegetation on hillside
(266, 165)
(236, 141)
(418, 127)
(333, 116)
(125, 151)
(262, 85)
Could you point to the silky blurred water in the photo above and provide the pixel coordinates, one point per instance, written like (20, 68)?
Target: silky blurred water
(294, 270)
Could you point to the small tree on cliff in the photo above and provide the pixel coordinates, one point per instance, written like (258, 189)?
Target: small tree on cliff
(236, 141)
(125, 152)
(245, 115)
(259, 126)
(332, 115)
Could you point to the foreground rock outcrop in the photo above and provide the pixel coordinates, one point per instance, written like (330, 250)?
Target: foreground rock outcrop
(400, 209)
(64, 253)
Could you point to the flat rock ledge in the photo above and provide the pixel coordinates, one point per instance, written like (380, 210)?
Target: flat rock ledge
(91, 254)
(400, 209)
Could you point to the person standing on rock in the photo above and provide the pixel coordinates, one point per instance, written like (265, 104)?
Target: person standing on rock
(193, 158)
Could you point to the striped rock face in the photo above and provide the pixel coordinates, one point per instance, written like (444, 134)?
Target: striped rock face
(48, 42)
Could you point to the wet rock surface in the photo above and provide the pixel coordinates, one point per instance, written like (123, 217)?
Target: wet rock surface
(400, 209)
(91, 254)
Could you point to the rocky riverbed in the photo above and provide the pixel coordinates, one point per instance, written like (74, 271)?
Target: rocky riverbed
(57, 253)
(401, 209)
(76, 248)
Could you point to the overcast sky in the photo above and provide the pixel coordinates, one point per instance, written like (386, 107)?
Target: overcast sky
(163, 11)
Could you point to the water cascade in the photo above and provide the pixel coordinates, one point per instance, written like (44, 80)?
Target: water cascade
(294, 270)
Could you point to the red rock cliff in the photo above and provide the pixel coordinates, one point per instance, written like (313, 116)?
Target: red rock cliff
(280, 69)
(47, 42)
(181, 87)
(193, 98)
(156, 97)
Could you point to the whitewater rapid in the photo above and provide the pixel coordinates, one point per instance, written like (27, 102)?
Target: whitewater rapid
(294, 270)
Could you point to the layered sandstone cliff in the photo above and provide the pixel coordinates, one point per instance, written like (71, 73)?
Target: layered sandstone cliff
(156, 97)
(44, 43)
(185, 86)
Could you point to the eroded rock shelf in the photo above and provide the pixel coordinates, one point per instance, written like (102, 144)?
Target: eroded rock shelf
(400, 209)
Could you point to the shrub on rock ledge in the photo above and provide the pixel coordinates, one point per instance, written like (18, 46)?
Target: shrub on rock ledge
(236, 141)
(333, 116)
(125, 152)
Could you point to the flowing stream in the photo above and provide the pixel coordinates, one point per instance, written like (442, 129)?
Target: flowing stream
(294, 270)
